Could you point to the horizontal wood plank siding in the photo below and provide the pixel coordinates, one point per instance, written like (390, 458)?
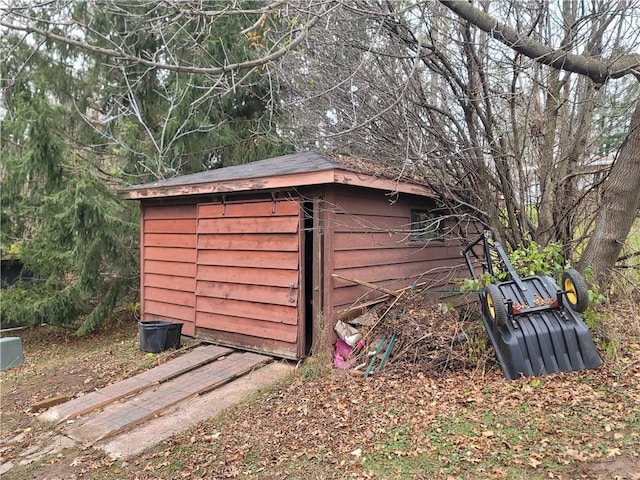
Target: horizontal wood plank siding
(248, 342)
(187, 255)
(255, 209)
(178, 269)
(249, 310)
(170, 282)
(250, 243)
(172, 240)
(245, 225)
(169, 256)
(170, 212)
(248, 274)
(371, 243)
(179, 297)
(241, 258)
(353, 259)
(250, 293)
(170, 310)
(345, 222)
(170, 226)
(368, 241)
(251, 276)
(247, 326)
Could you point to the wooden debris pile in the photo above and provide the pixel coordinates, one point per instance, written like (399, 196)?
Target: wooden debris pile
(427, 336)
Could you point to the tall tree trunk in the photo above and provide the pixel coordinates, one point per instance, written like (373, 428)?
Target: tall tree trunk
(614, 221)
(547, 177)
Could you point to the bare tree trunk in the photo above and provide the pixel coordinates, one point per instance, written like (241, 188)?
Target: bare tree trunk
(546, 173)
(614, 221)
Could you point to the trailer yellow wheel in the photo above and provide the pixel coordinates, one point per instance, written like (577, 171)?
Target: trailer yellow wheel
(495, 305)
(575, 290)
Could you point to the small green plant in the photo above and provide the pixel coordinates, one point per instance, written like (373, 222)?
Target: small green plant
(533, 260)
(527, 261)
(476, 285)
(134, 308)
(590, 319)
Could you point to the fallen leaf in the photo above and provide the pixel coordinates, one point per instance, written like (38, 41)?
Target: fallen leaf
(534, 463)
(613, 452)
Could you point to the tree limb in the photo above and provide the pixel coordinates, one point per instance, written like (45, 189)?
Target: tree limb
(121, 55)
(597, 69)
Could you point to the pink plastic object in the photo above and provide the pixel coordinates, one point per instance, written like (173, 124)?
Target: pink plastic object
(342, 358)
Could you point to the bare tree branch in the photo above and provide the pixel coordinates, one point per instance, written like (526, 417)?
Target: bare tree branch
(598, 69)
(297, 36)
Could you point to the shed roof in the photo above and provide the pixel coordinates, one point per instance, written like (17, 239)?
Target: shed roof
(286, 171)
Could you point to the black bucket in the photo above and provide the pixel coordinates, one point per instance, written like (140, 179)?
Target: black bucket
(174, 334)
(156, 336)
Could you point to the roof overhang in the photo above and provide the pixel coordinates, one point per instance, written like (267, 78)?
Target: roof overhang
(330, 176)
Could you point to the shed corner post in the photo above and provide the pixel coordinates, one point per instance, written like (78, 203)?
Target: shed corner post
(141, 261)
(328, 265)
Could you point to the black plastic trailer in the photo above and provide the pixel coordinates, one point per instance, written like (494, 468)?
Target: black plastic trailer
(533, 323)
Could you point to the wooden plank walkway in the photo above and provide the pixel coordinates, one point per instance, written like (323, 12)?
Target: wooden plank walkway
(112, 393)
(128, 413)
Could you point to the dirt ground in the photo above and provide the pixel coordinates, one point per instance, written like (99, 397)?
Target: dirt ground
(325, 422)
(59, 364)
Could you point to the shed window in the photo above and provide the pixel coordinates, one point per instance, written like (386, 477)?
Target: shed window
(425, 226)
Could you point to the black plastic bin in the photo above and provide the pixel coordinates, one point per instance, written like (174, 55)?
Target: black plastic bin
(157, 336)
(174, 334)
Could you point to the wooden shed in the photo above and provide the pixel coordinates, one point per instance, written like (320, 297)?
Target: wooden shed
(261, 256)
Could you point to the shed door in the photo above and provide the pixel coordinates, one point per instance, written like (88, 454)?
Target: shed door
(248, 275)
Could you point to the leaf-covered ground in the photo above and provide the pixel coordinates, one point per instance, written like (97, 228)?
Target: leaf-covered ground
(403, 423)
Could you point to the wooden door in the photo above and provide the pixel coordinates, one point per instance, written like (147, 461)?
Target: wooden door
(248, 276)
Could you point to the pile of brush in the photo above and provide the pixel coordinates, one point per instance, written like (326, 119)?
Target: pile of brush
(408, 332)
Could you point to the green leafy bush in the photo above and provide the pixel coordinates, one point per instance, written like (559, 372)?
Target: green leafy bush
(527, 261)
(533, 260)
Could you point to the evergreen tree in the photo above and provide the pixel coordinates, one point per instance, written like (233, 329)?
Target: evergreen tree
(79, 126)
(165, 123)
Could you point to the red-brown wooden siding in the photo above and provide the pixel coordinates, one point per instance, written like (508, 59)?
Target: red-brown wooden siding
(371, 243)
(168, 264)
(247, 275)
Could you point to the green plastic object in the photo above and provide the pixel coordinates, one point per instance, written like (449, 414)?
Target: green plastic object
(11, 352)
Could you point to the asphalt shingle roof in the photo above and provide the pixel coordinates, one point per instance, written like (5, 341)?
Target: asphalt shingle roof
(303, 162)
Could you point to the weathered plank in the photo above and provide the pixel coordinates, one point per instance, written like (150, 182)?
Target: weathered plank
(170, 226)
(178, 269)
(375, 203)
(282, 242)
(373, 240)
(257, 344)
(169, 254)
(245, 258)
(246, 326)
(177, 297)
(170, 240)
(410, 272)
(250, 310)
(170, 282)
(169, 310)
(379, 256)
(153, 212)
(249, 209)
(343, 222)
(248, 292)
(250, 276)
(249, 225)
